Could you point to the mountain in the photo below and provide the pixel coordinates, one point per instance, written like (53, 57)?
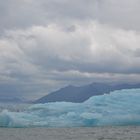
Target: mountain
(82, 93)
(11, 100)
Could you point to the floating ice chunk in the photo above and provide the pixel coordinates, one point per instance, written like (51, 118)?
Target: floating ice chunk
(120, 107)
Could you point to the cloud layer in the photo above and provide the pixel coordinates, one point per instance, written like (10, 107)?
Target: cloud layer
(47, 44)
(26, 13)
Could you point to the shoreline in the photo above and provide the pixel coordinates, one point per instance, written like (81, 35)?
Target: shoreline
(79, 133)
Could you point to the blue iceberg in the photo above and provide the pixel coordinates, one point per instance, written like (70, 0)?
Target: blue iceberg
(120, 107)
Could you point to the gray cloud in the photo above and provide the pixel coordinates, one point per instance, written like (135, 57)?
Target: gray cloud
(47, 44)
(23, 14)
(43, 58)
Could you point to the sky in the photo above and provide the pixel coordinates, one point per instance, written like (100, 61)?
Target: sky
(48, 44)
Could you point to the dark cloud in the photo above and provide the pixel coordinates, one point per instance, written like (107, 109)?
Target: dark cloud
(22, 13)
(48, 44)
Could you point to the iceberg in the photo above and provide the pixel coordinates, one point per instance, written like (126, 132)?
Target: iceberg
(120, 107)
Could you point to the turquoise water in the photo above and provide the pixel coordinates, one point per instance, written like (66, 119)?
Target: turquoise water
(120, 107)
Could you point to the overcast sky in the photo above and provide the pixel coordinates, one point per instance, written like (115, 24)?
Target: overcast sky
(48, 44)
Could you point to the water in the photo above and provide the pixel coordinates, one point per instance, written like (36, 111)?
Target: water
(118, 108)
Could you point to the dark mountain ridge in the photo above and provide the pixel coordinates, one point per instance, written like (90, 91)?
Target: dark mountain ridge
(82, 93)
(12, 100)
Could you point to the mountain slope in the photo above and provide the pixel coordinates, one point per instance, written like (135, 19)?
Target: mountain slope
(80, 94)
(12, 100)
